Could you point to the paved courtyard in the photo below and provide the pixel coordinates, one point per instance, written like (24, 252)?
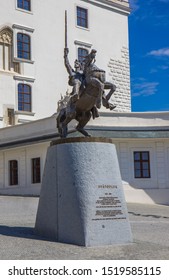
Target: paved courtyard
(149, 223)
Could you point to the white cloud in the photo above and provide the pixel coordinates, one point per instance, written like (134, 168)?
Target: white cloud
(160, 52)
(163, 67)
(159, 68)
(150, 11)
(144, 89)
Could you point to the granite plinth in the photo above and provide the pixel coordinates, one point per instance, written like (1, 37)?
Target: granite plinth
(82, 200)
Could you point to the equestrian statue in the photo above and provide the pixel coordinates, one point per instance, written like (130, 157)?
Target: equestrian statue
(88, 93)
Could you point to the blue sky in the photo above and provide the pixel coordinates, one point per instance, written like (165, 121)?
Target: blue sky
(149, 55)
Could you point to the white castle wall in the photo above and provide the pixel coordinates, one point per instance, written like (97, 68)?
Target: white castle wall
(120, 72)
(150, 190)
(45, 72)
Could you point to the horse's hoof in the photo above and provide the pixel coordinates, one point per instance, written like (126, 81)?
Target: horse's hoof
(88, 135)
(112, 107)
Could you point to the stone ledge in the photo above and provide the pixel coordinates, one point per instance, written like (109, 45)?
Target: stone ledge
(81, 140)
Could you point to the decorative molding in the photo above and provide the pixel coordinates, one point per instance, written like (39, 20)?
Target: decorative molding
(7, 72)
(22, 78)
(24, 11)
(16, 59)
(116, 5)
(6, 35)
(124, 3)
(23, 121)
(83, 44)
(24, 113)
(21, 27)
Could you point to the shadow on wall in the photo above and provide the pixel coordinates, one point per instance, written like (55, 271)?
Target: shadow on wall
(146, 196)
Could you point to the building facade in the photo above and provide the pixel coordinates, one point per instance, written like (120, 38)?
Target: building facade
(32, 41)
(142, 144)
(33, 76)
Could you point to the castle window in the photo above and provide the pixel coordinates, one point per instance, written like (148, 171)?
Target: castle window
(82, 53)
(24, 97)
(13, 172)
(24, 4)
(36, 170)
(82, 17)
(141, 164)
(23, 46)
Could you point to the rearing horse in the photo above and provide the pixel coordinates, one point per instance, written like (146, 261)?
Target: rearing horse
(90, 98)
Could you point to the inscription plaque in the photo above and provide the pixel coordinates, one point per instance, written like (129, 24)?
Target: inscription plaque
(108, 206)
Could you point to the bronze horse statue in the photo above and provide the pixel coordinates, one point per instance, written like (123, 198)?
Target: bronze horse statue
(84, 104)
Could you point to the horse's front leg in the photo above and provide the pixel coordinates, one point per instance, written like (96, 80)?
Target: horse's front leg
(112, 87)
(105, 98)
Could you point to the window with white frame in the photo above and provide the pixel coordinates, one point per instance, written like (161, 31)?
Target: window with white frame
(24, 4)
(142, 164)
(24, 97)
(82, 49)
(23, 46)
(23, 41)
(82, 53)
(82, 17)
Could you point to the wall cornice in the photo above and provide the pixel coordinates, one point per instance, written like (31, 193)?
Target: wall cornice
(118, 5)
(22, 27)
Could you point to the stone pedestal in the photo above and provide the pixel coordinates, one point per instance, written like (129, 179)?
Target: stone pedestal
(82, 200)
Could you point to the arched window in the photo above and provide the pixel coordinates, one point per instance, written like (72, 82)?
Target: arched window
(5, 48)
(24, 4)
(82, 53)
(24, 97)
(23, 46)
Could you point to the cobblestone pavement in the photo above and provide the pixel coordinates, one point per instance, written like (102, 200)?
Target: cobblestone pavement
(149, 223)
